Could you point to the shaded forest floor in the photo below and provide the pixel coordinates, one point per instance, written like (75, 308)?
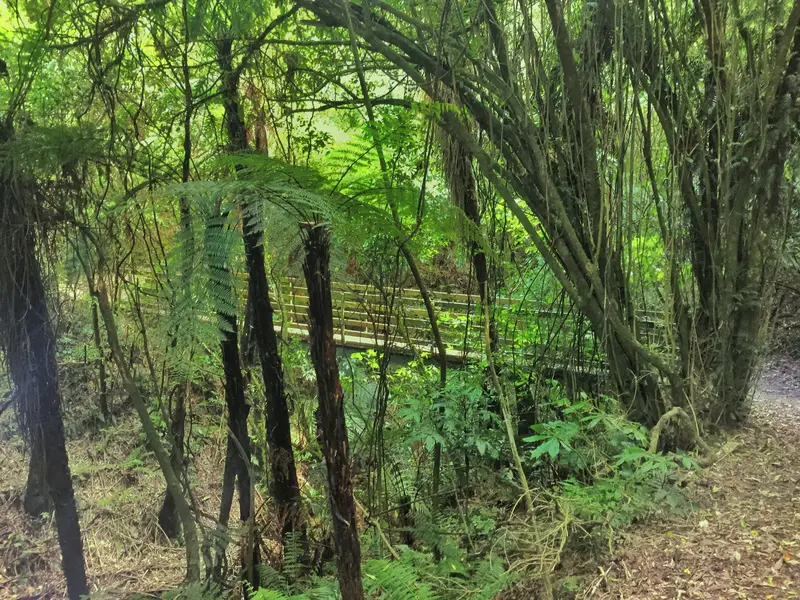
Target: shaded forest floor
(741, 541)
(119, 492)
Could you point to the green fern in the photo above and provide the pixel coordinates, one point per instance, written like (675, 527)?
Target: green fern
(324, 590)
(492, 578)
(293, 552)
(394, 580)
(272, 579)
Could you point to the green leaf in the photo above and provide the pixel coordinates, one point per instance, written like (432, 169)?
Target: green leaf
(550, 447)
(481, 446)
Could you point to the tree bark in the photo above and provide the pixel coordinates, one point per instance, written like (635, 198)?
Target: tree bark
(237, 418)
(173, 482)
(37, 495)
(331, 420)
(237, 457)
(29, 343)
(284, 486)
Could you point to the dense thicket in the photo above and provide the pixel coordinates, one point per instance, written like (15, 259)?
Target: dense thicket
(604, 189)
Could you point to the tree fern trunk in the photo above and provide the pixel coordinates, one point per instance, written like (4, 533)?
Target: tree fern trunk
(331, 420)
(237, 455)
(37, 494)
(238, 409)
(29, 343)
(284, 486)
(168, 515)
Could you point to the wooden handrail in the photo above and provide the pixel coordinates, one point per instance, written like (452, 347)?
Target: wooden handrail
(361, 318)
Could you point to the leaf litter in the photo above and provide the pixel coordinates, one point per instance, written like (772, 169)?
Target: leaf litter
(743, 539)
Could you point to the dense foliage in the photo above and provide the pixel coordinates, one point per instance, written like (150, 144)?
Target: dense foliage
(458, 283)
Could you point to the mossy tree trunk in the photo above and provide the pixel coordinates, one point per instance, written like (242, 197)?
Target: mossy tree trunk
(560, 146)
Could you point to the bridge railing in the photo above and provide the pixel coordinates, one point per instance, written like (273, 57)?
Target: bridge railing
(367, 317)
(396, 318)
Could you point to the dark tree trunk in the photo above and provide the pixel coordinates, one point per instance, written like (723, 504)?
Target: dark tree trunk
(331, 420)
(168, 518)
(237, 456)
(284, 486)
(29, 342)
(37, 495)
(237, 416)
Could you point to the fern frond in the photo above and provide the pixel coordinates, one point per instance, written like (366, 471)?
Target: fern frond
(271, 579)
(492, 577)
(395, 581)
(47, 149)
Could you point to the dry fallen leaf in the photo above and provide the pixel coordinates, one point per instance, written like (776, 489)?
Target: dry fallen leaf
(777, 566)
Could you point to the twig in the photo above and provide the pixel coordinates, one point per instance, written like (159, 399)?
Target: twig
(377, 527)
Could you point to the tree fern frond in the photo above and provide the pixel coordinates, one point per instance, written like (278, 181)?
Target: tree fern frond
(48, 149)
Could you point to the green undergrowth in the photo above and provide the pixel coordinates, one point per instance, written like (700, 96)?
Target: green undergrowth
(588, 467)
(600, 464)
(414, 577)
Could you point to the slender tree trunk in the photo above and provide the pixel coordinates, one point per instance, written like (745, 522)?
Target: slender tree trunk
(331, 420)
(173, 482)
(285, 488)
(29, 343)
(237, 418)
(101, 366)
(168, 518)
(237, 457)
(508, 418)
(168, 515)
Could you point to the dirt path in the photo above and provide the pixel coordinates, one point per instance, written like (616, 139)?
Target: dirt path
(743, 541)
